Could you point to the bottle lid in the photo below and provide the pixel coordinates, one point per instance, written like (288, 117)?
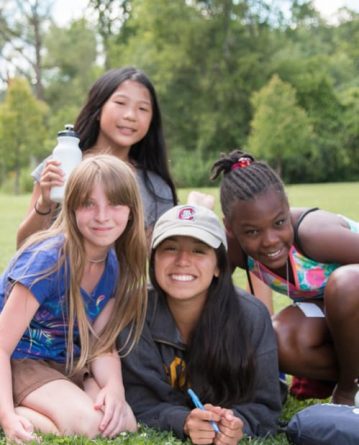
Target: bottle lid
(69, 131)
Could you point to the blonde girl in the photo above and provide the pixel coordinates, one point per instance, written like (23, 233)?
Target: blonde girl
(64, 298)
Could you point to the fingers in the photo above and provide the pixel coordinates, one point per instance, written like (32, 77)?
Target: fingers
(111, 423)
(121, 419)
(52, 175)
(198, 426)
(20, 431)
(231, 429)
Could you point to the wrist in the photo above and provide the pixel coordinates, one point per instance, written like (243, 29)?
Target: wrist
(42, 209)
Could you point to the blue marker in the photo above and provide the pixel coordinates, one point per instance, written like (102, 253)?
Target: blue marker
(199, 405)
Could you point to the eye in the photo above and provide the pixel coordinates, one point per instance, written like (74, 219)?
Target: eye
(87, 204)
(251, 232)
(167, 246)
(280, 222)
(145, 109)
(199, 250)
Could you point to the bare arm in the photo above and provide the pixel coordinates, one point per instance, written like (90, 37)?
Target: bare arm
(14, 319)
(41, 209)
(106, 370)
(326, 237)
(107, 367)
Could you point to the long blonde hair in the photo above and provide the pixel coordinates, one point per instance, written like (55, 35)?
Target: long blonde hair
(130, 300)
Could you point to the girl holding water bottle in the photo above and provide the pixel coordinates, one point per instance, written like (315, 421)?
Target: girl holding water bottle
(121, 117)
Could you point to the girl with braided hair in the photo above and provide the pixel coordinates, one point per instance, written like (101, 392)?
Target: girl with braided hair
(311, 255)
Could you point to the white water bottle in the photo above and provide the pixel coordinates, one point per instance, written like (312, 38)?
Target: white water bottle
(68, 152)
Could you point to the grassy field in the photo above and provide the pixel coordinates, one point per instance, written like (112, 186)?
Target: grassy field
(334, 197)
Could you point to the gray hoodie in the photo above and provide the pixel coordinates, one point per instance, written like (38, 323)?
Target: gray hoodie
(148, 371)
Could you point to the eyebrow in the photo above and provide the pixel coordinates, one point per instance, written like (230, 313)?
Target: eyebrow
(126, 97)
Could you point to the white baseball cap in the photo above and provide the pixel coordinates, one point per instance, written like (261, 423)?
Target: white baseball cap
(189, 220)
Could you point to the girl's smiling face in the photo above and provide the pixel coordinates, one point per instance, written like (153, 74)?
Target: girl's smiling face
(100, 222)
(126, 116)
(263, 228)
(184, 268)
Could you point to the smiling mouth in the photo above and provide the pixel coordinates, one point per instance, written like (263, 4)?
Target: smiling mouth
(182, 277)
(126, 129)
(101, 229)
(273, 254)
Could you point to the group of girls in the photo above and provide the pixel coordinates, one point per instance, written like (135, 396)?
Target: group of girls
(73, 299)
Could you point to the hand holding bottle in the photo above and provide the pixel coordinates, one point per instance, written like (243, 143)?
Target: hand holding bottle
(68, 155)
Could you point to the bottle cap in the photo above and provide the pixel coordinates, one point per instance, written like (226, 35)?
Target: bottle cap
(69, 131)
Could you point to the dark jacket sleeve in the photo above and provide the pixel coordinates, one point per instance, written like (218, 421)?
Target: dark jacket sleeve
(260, 415)
(150, 395)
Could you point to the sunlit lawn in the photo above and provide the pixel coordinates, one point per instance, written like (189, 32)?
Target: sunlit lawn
(340, 198)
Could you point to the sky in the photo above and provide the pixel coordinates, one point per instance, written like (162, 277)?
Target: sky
(65, 10)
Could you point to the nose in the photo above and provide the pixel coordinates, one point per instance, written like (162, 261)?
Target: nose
(269, 238)
(102, 213)
(130, 113)
(183, 258)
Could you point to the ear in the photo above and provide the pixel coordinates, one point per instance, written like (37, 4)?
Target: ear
(228, 227)
(216, 272)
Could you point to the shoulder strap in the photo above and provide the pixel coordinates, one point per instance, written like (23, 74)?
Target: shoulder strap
(296, 228)
(249, 279)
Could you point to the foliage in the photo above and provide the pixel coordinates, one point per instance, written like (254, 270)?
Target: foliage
(21, 127)
(280, 128)
(23, 24)
(208, 61)
(70, 64)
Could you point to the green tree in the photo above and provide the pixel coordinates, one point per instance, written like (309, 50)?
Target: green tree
(280, 129)
(70, 64)
(350, 100)
(22, 127)
(205, 59)
(70, 68)
(22, 26)
(110, 17)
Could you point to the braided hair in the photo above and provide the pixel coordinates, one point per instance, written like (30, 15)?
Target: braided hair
(244, 178)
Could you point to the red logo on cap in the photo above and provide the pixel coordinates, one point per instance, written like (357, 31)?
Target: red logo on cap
(187, 213)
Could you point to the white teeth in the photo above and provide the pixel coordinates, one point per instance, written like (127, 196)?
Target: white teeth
(273, 254)
(182, 277)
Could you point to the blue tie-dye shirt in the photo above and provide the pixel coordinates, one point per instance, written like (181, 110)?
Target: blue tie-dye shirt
(45, 338)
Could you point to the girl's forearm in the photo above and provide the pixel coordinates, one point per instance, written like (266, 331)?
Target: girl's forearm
(6, 398)
(106, 370)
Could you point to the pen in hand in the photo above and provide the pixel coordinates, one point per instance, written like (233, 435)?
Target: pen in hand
(199, 405)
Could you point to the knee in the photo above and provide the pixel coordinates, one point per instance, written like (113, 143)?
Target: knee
(88, 424)
(85, 423)
(286, 332)
(295, 334)
(341, 296)
(287, 341)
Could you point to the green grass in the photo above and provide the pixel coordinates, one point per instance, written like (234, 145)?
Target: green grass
(339, 197)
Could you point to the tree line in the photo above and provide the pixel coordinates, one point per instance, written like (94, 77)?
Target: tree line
(280, 82)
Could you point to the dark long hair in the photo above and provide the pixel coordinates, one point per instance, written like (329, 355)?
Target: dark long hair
(150, 153)
(220, 363)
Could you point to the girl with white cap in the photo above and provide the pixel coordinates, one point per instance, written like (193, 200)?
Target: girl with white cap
(201, 333)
